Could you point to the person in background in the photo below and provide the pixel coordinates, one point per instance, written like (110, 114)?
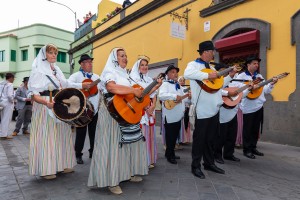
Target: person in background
(85, 72)
(7, 104)
(139, 74)
(24, 108)
(185, 133)
(126, 3)
(171, 90)
(51, 148)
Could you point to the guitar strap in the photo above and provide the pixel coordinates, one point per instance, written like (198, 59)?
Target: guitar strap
(52, 82)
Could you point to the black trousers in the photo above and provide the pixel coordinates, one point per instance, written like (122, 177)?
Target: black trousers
(172, 132)
(81, 133)
(225, 141)
(203, 140)
(251, 126)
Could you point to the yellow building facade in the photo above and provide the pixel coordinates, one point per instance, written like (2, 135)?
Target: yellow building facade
(169, 32)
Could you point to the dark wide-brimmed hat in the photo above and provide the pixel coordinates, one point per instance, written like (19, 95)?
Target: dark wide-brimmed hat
(170, 68)
(251, 58)
(205, 46)
(25, 79)
(84, 57)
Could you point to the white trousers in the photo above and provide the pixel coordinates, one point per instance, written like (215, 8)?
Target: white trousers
(6, 115)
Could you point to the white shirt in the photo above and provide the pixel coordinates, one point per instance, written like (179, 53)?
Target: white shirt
(7, 90)
(208, 104)
(78, 77)
(167, 91)
(251, 106)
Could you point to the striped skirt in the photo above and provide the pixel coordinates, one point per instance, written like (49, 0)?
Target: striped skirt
(150, 135)
(51, 144)
(112, 164)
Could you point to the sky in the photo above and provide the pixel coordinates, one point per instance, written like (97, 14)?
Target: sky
(19, 13)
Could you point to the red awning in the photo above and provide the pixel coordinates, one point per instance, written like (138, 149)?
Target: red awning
(238, 41)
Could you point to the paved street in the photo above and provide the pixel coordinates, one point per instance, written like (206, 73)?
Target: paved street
(274, 176)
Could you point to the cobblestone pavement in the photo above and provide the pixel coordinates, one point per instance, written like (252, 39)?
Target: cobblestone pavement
(274, 176)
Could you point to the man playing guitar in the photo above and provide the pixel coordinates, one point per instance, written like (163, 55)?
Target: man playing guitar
(253, 108)
(207, 109)
(85, 75)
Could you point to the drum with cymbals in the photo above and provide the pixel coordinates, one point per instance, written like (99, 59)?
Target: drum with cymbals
(72, 107)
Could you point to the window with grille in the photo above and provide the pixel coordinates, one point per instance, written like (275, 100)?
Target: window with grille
(37, 50)
(13, 55)
(2, 56)
(24, 55)
(61, 57)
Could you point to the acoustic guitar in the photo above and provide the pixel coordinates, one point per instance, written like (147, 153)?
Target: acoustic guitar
(170, 104)
(253, 94)
(213, 85)
(93, 90)
(230, 102)
(128, 109)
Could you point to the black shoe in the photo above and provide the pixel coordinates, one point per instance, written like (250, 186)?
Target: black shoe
(249, 155)
(219, 160)
(172, 160)
(79, 160)
(91, 155)
(176, 157)
(214, 168)
(198, 173)
(256, 152)
(232, 158)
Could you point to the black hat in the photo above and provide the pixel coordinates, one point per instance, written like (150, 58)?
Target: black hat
(171, 67)
(84, 57)
(205, 46)
(251, 58)
(25, 79)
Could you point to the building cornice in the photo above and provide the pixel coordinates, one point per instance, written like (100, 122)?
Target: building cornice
(126, 20)
(219, 7)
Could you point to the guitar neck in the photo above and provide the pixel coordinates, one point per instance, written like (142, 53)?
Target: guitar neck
(225, 71)
(149, 88)
(95, 82)
(241, 89)
(265, 82)
(271, 79)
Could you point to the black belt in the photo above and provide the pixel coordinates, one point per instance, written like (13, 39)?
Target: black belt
(47, 93)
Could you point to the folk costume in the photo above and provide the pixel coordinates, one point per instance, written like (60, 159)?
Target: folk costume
(207, 106)
(252, 113)
(225, 142)
(147, 121)
(79, 77)
(113, 163)
(51, 144)
(169, 90)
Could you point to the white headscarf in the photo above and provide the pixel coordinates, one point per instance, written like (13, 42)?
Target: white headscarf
(38, 81)
(142, 79)
(112, 68)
